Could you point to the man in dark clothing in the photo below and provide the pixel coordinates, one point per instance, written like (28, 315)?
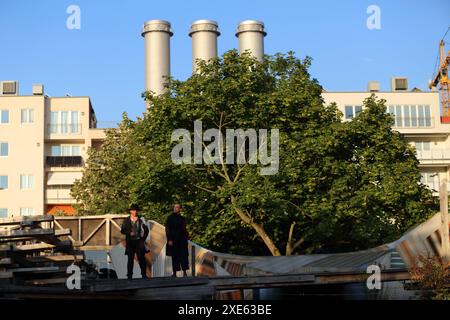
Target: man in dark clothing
(177, 241)
(136, 232)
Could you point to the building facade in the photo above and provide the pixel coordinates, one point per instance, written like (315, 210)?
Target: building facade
(43, 146)
(417, 117)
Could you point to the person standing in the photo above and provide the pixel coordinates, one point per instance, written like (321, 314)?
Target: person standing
(135, 231)
(177, 241)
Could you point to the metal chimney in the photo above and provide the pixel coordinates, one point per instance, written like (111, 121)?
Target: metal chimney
(251, 37)
(204, 35)
(157, 35)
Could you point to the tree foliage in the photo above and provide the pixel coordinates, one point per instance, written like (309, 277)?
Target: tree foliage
(340, 185)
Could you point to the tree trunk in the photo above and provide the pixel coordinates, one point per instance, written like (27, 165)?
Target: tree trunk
(258, 228)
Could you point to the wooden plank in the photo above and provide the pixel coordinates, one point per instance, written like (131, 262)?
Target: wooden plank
(53, 239)
(25, 233)
(6, 275)
(36, 270)
(56, 258)
(200, 292)
(135, 284)
(87, 248)
(25, 219)
(228, 283)
(35, 246)
(42, 282)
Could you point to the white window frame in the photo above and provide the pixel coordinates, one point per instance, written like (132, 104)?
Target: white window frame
(354, 113)
(29, 182)
(7, 149)
(69, 125)
(1, 111)
(420, 145)
(70, 147)
(7, 181)
(29, 114)
(29, 211)
(7, 212)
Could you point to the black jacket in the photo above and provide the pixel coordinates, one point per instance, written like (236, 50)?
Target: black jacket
(177, 233)
(127, 228)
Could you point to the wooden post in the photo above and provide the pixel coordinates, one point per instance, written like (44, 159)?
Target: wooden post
(79, 229)
(443, 198)
(193, 261)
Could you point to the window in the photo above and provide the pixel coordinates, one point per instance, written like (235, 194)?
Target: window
(407, 118)
(3, 182)
(427, 116)
(422, 145)
(4, 116)
(352, 111)
(398, 116)
(4, 149)
(3, 213)
(66, 150)
(411, 115)
(56, 151)
(27, 116)
(348, 112)
(26, 181)
(66, 122)
(27, 211)
(427, 178)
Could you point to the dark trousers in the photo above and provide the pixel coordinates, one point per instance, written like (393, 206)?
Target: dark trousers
(180, 261)
(136, 247)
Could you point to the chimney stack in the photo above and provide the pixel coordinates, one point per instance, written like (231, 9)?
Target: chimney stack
(251, 37)
(157, 35)
(204, 35)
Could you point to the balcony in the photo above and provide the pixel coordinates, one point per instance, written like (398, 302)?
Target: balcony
(58, 195)
(413, 122)
(64, 129)
(64, 161)
(434, 156)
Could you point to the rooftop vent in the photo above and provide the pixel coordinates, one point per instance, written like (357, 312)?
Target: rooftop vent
(373, 86)
(38, 89)
(399, 84)
(10, 88)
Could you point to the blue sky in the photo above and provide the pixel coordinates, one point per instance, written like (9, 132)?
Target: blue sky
(105, 58)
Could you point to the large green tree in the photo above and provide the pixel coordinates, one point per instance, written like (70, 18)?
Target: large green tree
(339, 185)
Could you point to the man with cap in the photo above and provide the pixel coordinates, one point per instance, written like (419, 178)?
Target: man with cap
(135, 231)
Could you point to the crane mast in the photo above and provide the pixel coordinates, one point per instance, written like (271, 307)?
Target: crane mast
(441, 79)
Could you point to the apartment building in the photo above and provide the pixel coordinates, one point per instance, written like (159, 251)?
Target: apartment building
(43, 146)
(417, 117)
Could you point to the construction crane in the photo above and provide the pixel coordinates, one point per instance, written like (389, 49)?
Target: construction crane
(441, 79)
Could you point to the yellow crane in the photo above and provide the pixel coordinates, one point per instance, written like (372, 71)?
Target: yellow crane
(441, 79)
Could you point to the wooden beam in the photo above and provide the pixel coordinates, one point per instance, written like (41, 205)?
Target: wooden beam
(80, 246)
(228, 283)
(62, 228)
(94, 231)
(25, 233)
(124, 285)
(25, 219)
(6, 274)
(56, 258)
(36, 270)
(35, 246)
